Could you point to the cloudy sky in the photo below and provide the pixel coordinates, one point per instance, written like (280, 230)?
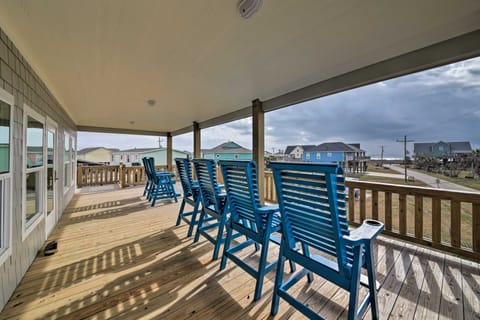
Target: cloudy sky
(438, 104)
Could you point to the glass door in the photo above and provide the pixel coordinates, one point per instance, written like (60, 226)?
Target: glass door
(51, 174)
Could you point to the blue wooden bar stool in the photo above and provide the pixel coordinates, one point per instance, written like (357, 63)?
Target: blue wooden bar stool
(161, 186)
(191, 194)
(312, 205)
(248, 217)
(214, 204)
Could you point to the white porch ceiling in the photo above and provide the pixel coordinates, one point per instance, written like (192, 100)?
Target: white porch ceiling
(199, 59)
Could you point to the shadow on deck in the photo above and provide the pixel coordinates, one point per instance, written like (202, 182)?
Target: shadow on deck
(118, 257)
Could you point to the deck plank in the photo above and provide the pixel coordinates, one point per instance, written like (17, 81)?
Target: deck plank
(471, 289)
(451, 306)
(428, 303)
(120, 258)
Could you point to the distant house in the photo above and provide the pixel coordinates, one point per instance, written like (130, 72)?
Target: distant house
(441, 149)
(129, 156)
(96, 154)
(160, 155)
(134, 156)
(228, 151)
(350, 156)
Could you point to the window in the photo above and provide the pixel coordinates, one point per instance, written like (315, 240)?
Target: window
(235, 156)
(318, 156)
(329, 154)
(217, 155)
(34, 168)
(6, 112)
(66, 163)
(307, 156)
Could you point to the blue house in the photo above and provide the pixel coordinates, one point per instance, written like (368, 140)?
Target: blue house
(228, 151)
(350, 156)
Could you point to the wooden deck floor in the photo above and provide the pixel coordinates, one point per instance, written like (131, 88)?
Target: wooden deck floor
(119, 258)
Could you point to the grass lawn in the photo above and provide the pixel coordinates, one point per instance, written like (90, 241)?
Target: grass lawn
(470, 183)
(392, 180)
(374, 168)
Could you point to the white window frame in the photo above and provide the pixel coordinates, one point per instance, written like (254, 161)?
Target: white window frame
(307, 155)
(40, 215)
(318, 156)
(6, 216)
(329, 154)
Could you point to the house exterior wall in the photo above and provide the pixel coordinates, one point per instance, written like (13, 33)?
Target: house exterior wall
(160, 156)
(19, 79)
(125, 157)
(323, 156)
(99, 155)
(228, 156)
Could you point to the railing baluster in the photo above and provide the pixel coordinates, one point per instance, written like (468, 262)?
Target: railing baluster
(455, 223)
(402, 213)
(436, 221)
(363, 204)
(351, 204)
(476, 227)
(418, 217)
(388, 211)
(375, 204)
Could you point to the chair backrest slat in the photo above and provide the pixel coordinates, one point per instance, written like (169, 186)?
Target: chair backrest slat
(242, 188)
(206, 172)
(312, 203)
(185, 172)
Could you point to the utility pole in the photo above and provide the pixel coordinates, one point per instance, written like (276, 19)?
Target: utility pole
(159, 143)
(405, 153)
(381, 156)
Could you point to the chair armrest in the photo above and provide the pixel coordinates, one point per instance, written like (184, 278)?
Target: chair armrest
(368, 231)
(266, 210)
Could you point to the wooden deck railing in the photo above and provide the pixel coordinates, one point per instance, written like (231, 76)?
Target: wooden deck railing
(442, 219)
(106, 174)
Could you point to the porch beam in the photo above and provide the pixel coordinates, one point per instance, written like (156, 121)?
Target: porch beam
(196, 140)
(121, 131)
(169, 152)
(258, 143)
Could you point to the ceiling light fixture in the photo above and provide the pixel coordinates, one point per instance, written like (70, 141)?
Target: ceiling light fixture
(151, 102)
(248, 7)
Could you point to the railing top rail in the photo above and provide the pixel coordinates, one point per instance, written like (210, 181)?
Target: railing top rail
(467, 196)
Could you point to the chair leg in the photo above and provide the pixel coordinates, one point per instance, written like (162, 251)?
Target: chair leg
(193, 220)
(355, 282)
(199, 226)
(261, 268)
(306, 252)
(278, 282)
(226, 246)
(218, 243)
(180, 213)
(372, 281)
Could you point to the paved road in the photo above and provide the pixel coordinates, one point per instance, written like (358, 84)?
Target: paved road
(432, 181)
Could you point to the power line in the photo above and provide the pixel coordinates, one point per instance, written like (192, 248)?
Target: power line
(404, 140)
